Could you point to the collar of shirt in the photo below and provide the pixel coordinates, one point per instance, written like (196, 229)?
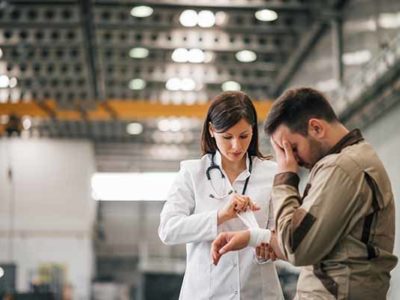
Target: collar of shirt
(243, 175)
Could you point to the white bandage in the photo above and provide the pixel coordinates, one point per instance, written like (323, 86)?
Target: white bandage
(248, 218)
(258, 236)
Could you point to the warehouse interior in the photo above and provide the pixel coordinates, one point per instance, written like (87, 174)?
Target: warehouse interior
(100, 101)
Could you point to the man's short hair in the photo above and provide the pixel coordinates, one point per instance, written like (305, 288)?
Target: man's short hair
(295, 107)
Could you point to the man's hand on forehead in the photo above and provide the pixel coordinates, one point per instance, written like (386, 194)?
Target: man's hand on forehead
(284, 156)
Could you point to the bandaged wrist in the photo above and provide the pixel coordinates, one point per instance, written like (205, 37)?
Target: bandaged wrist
(258, 236)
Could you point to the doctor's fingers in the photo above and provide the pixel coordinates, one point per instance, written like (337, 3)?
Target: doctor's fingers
(254, 206)
(239, 203)
(248, 203)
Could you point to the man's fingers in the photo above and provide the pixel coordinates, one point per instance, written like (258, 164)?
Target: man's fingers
(262, 251)
(272, 254)
(274, 145)
(288, 151)
(258, 251)
(279, 152)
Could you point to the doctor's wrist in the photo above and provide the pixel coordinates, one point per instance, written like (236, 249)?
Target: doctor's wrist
(222, 217)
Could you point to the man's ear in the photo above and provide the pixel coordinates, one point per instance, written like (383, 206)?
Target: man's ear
(316, 128)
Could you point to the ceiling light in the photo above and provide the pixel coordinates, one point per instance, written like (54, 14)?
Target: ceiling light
(246, 56)
(175, 125)
(26, 122)
(389, 20)
(137, 84)
(266, 15)
(141, 11)
(1, 53)
(173, 84)
(188, 84)
(4, 81)
(356, 57)
(180, 55)
(196, 56)
(134, 128)
(188, 18)
(163, 125)
(13, 82)
(139, 52)
(176, 84)
(231, 86)
(1, 272)
(206, 19)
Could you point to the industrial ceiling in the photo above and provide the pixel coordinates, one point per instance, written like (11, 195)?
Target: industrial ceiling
(142, 72)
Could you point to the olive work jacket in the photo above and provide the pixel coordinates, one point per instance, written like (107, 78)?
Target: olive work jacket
(341, 231)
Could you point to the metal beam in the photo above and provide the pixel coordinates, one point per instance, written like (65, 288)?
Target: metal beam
(245, 5)
(91, 54)
(306, 43)
(122, 110)
(167, 27)
(337, 49)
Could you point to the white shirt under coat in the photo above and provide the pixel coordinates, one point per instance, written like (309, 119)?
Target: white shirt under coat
(190, 216)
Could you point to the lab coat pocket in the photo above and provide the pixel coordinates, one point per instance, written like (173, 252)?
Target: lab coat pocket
(223, 278)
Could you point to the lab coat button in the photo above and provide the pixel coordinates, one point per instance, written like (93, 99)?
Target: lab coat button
(236, 292)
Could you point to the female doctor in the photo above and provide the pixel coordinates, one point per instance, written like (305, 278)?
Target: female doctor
(231, 178)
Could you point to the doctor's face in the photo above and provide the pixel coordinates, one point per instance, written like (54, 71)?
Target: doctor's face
(234, 142)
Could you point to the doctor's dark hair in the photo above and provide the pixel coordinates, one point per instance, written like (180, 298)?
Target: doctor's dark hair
(227, 109)
(295, 107)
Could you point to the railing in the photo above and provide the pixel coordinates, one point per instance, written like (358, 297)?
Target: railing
(352, 91)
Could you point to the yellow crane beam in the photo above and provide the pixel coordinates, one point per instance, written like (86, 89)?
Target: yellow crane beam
(116, 109)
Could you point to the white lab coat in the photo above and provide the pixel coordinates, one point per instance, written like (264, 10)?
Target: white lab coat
(190, 216)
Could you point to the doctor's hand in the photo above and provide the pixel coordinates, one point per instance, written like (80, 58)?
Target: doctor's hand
(284, 157)
(229, 241)
(236, 204)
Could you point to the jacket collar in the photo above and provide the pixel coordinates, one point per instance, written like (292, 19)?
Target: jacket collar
(353, 137)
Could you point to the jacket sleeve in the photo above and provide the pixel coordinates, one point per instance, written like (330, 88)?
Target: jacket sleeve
(271, 219)
(309, 228)
(178, 224)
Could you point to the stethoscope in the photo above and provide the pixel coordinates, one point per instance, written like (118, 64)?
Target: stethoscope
(213, 166)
